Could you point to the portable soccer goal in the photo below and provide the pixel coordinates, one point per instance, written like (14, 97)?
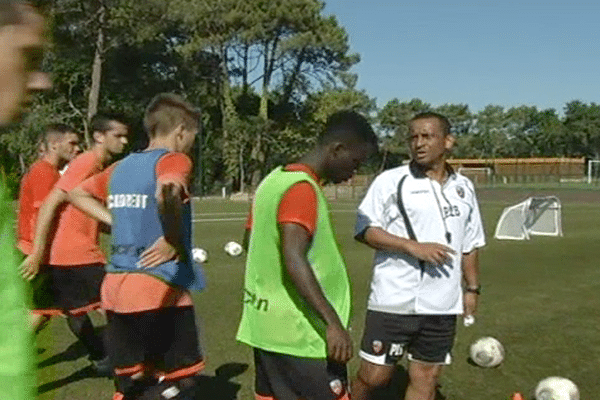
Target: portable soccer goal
(535, 216)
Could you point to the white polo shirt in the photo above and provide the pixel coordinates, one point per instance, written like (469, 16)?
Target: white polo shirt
(447, 214)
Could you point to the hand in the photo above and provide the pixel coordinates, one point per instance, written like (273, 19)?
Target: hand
(339, 344)
(433, 253)
(160, 252)
(470, 301)
(30, 267)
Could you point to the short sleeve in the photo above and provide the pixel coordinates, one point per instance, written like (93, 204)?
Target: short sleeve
(175, 167)
(299, 206)
(97, 185)
(474, 232)
(79, 170)
(371, 211)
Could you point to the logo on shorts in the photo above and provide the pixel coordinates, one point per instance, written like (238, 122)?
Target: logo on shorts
(336, 387)
(396, 350)
(460, 191)
(377, 346)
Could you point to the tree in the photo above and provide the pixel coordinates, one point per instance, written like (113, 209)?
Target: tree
(582, 126)
(285, 48)
(489, 138)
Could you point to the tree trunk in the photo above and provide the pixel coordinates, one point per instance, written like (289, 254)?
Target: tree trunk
(94, 96)
(289, 86)
(228, 121)
(257, 154)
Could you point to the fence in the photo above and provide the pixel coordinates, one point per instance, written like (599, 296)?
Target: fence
(490, 172)
(355, 188)
(493, 172)
(502, 171)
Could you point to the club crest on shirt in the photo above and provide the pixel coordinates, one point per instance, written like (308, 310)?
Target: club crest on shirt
(460, 191)
(336, 387)
(377, 346)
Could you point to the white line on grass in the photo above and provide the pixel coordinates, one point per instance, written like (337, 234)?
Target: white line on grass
(240, 219)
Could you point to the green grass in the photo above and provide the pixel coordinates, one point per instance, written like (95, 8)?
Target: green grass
(540, 299)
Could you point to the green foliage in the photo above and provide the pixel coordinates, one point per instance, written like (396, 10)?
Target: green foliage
(266, 73)
(582, 122)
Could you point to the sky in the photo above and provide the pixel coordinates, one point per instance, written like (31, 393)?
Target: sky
(507, 53)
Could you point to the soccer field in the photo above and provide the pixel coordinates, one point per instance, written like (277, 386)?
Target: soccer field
(540, 299)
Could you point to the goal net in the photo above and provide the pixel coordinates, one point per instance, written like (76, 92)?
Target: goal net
(534, 216)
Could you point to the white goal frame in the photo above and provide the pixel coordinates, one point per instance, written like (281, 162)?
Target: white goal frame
(487, 170)
(526, 219)
(589, 170)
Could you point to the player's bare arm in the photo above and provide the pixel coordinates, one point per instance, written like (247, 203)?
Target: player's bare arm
(380, 239)
(470, 267)
(295, 244)
(87, 203)
(170, 195)
(48, 212)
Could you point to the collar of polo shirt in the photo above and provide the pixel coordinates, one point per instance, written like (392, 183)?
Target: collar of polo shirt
(418, 172)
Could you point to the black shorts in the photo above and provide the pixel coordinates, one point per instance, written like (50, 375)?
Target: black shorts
(163, 341)
(425, 338)
(42, 293)
(68, 290)
(285, 377)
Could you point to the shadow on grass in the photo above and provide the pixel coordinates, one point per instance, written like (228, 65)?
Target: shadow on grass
(219, 386)
(397, 387)
(87, 372)
(71, 353)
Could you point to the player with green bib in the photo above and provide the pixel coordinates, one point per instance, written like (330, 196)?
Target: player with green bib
(296, 291)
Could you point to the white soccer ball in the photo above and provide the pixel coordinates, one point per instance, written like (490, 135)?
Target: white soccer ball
(556, 388)
(199, 255)
(487, 352)
(234, 249)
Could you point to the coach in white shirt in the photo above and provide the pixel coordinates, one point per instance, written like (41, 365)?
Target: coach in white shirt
(423, 220)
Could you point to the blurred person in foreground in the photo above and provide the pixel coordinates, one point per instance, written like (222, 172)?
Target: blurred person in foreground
(296, 291)
(21, 44)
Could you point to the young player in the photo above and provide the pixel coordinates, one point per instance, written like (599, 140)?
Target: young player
(61, 145)
(423, 221)
(67, 241)
(21, 41)
(296, 290)
(151, 330)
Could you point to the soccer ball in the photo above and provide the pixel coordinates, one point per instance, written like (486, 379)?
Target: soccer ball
(487, 352)
(556, 388)
(199, 255)
(234, 249)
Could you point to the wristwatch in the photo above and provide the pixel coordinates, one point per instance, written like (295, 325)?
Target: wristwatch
(473, 289)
